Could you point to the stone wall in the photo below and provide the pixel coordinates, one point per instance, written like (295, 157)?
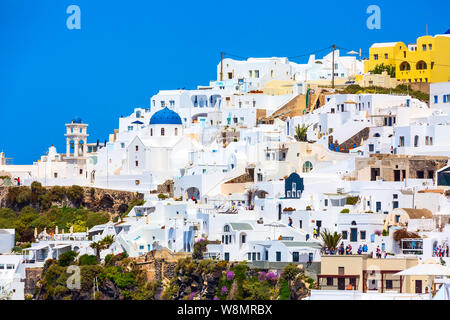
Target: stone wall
(32, 276)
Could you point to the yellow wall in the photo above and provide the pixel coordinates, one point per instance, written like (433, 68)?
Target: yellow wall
(278, 87)
(437, 59)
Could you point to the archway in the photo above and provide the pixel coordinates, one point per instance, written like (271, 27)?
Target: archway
(405, 66)
(193, 192)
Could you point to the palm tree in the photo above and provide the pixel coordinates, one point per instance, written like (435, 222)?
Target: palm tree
(251, 193)
(97, 246)
(301, 132)
(330, 240)
(102, 245)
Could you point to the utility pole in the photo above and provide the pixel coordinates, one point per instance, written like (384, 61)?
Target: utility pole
(332, 68)
(221, 65)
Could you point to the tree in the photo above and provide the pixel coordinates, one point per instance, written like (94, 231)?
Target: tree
(301, 132)
(330, 240)
(251, 193)
(289, 273)
(380, 68)
(102, 245)
(66, 258)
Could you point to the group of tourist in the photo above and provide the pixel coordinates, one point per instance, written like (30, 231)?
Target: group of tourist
(441, 251)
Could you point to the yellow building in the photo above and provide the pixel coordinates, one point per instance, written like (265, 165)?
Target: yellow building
(359, 272)
(428, 60)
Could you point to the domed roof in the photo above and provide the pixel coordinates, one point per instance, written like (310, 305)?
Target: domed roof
(77, 120)
(165, 116)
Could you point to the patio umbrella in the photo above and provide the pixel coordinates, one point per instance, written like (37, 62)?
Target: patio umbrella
(56, 230)
(426, 269)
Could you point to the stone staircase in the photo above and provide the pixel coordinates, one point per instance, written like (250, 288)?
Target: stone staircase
(354, 140)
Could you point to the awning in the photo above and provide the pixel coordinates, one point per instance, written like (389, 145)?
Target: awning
(432, 269)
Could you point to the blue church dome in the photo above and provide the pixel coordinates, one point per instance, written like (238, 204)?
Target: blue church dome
(77, 120)
(165, 116)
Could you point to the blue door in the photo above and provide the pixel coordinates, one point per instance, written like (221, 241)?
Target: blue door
(378, 206)
(353, 234)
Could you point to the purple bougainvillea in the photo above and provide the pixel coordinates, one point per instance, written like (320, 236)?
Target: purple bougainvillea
(271, 276)
(215, 298)
(224, 290)
(230, 275)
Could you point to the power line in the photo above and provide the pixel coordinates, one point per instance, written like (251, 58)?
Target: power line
(397, 59)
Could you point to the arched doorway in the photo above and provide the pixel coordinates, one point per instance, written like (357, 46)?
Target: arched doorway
(193, 192)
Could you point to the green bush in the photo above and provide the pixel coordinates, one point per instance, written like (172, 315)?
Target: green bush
(87, 260)
(345, 210)
(66, 258)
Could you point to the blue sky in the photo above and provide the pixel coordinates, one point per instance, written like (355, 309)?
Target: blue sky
(127, 50)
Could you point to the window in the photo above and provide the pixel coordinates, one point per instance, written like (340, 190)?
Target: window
(162, 131)
(446, 98)
(243, 238)
(341, 270)
(137, 148)
(386, 56)
(436, 99)
(226, 228)
(307, 166)
(416, 141)
(394, 204)
(389, 284)
(329, 281)
(137, 163)
(375, 56)
(278, 256)
(230, 75)
(151, 132)
(256, 73)
(249, 256)
(326, 202)
(176, 131)
(301, 224)
(371, 148)
(363, 235)
(402, 141)
(81, 171)
(344, 235)
(424, 47)
(122, 145)
(9, 266)
(395, 196)
(162, 104)
(2, 266)
(130, 128)
(172, 103)
(250, 73)
(295, 256)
